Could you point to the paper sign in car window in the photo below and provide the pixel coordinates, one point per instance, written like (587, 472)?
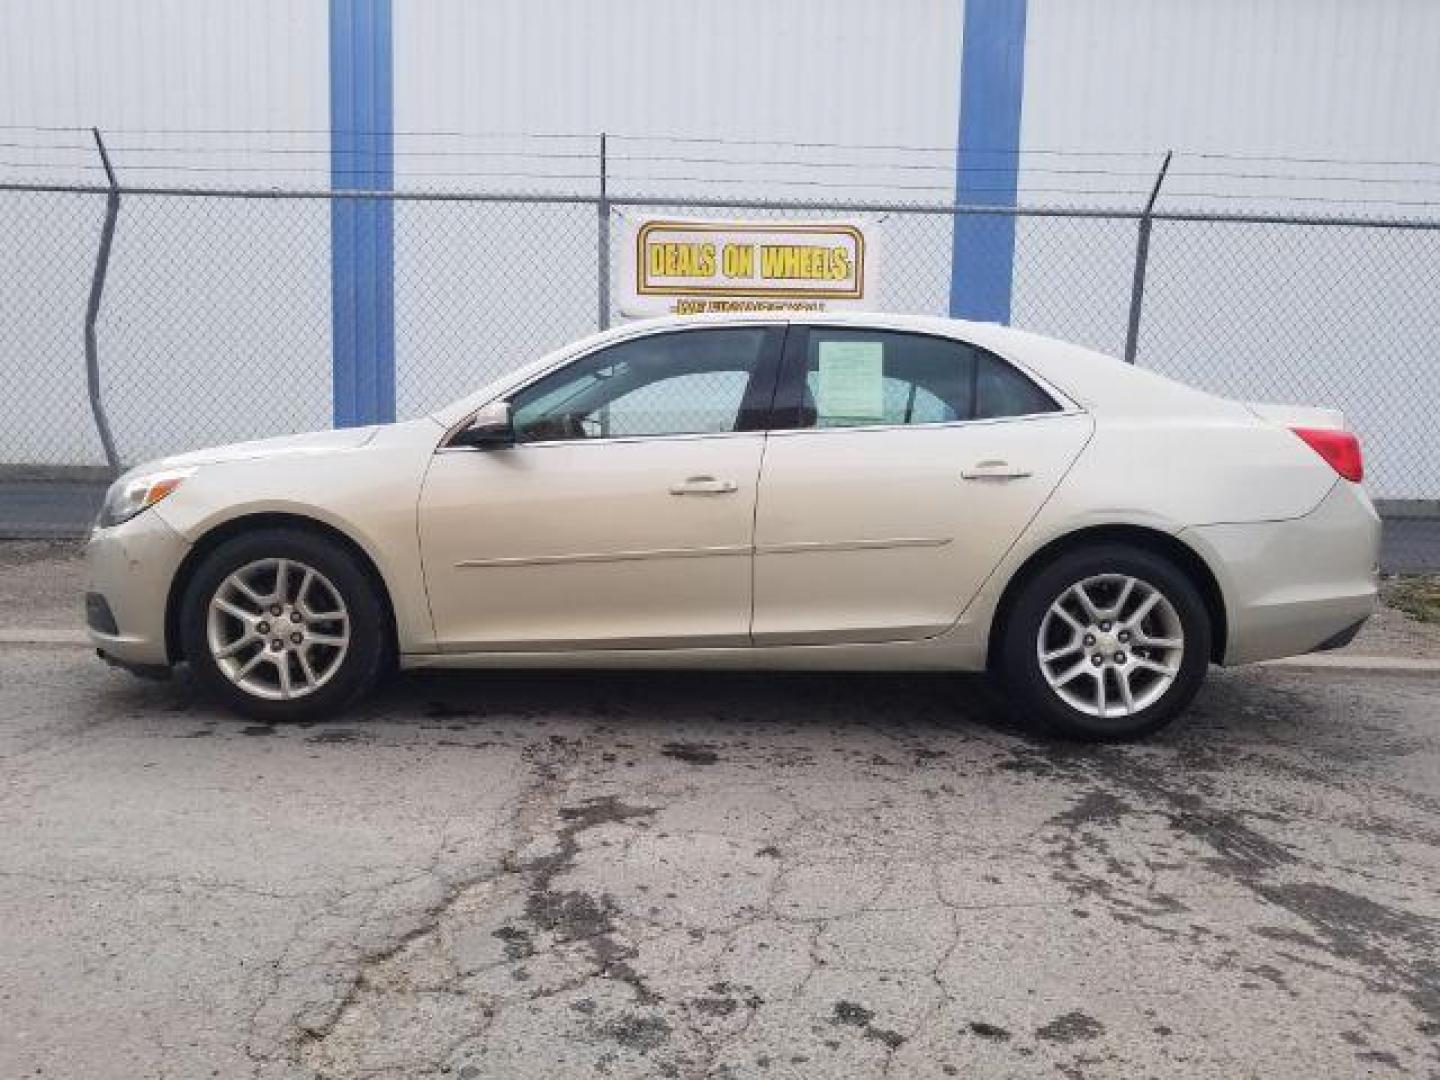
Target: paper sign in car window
(852, 381)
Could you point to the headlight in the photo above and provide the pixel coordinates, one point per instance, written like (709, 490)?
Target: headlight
(131, 494)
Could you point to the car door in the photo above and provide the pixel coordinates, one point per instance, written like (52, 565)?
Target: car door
(623, 515)
(902, 468)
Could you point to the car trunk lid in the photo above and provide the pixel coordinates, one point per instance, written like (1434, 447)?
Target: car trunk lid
(1298, 416)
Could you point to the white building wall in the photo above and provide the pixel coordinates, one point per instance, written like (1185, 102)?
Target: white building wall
(768, 80)
(1254, 98)
(165, 65)
(211, 308)
(1341, 78)
(216, 322)
(843, 71)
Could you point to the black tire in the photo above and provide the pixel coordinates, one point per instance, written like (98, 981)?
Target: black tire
(1024, 677)
(366, 657)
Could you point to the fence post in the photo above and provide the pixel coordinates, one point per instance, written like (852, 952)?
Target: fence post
(602, 210)
(92, 309)
(1142, 258)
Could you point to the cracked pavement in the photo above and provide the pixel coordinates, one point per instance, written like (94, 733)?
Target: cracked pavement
(635, 875)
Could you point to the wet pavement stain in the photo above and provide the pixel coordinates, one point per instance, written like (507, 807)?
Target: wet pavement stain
(1093, 808)
(576, 915)
(850, 1014)
(1071, 1027)
(692, 753)
(991, 1032)
(518, 945)
(642, 1033)
(340, 736)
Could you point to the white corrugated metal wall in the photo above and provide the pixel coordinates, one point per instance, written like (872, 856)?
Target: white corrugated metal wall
(209, 92)
(1269, 104)
(848, 72)
(205, 303)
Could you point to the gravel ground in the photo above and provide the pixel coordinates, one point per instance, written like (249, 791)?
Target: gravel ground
(736, 876)
(1394, 633)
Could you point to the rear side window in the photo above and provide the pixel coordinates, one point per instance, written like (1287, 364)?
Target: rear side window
(854, 378)
(1000, 390)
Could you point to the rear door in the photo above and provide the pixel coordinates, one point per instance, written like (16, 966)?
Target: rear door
(900, 470)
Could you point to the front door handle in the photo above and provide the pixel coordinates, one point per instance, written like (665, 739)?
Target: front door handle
(703, 485)
(994, 470)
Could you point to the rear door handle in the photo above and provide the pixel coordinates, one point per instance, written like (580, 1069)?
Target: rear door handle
(994, 470)
(703, 485)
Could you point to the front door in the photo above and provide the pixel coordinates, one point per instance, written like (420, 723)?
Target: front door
(624, 515)
(902, 469)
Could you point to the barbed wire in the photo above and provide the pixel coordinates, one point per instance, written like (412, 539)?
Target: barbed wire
(172, 151)
(620, 137)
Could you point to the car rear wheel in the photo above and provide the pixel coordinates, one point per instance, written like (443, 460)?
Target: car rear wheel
(281, 624)
(1105, 643)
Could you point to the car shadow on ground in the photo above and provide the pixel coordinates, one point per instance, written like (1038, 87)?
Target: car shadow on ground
(946, 708)
(428, 700)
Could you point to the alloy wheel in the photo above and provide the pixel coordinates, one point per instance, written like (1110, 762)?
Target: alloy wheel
(1110, 645)
(278, 629)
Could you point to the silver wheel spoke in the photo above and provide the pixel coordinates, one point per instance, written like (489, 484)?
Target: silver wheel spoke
(1146, 606)
(282, 631)
(1070, 673)
(304, 589)
(245, 589)
(1058, 610)
(1151, 665)
(238, 645)
(233, 611)
(251, 664)
(305, 666)
(1146, 641)
(1091, 611)
(1118, 606)
(1063, 650)
(1127, 692)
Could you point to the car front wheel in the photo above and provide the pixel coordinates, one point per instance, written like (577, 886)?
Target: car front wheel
(282, 624)
(1105, 643)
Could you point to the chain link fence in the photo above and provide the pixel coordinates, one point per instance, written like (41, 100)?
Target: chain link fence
(215, 319)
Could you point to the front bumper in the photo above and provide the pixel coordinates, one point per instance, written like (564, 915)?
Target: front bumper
(1293, 587)
(129, 569)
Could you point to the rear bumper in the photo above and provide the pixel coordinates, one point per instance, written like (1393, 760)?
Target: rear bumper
(1292, 587)
(129, 568)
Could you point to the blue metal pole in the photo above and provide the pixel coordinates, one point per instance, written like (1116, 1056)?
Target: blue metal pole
(362, 231)
(992, 87)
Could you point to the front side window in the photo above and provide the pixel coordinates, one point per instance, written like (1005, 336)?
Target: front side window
(691, 382)
(855, 378)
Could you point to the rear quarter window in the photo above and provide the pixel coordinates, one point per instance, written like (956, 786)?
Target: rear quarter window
(1002, 391)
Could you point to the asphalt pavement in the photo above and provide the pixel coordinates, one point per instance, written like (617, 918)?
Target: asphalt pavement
(721, 876)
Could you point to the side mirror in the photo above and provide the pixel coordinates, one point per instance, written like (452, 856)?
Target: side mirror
(490, 429)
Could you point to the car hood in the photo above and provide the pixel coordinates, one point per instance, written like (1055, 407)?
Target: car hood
(315, 442)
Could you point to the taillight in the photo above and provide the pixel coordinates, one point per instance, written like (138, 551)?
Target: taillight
(1340, 449)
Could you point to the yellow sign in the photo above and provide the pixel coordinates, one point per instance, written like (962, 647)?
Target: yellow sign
(686, 265)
